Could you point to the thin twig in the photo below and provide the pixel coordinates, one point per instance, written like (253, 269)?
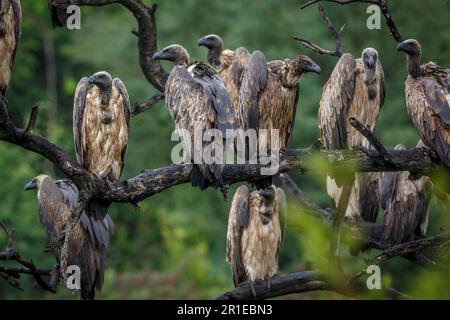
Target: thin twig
(336, 34)
(139, 108)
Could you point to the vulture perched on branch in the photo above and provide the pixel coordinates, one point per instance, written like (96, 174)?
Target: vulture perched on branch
(90, 238)
(101, 120)
(354, 89)
(256, 226)
(427, 90)
(405, 204)
(197, 100)
(268, 99)
(269, 94)
(228, 63)
(10, 30)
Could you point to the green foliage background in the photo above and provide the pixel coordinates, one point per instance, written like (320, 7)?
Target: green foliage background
(174, 246)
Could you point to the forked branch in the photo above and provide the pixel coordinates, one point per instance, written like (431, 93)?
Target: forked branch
(336, 34)
(380, 3)
(10, 254)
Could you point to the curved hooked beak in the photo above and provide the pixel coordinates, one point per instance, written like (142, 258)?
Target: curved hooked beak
(157, 55)
(401, 47)
(371, 63)
(202, 42)
(316, 68)
(30, 186)
(92, 79)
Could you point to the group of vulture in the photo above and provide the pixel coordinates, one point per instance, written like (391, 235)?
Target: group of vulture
(239, 90)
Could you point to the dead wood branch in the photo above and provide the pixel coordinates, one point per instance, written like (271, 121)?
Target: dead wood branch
(336, 34)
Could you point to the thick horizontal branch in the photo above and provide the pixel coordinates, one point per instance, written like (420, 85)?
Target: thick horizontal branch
(292, 283)
(149, 182)
(301, 282)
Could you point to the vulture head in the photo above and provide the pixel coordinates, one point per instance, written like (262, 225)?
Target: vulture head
(267, 204)
(302, 64)
(413, 51)
(214, 43)
(175, 53)
(411, 47)
(101, 79)
(370, 59)
(36, 183)
(211, 41)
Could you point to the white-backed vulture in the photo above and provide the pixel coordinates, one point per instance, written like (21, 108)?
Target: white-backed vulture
(256, 225)
(10, 31)
(405, 204)
(269, 94)
(427, 90)
(354, 89)
(90, 237)
(229, 64)
(101, 119)
(197, 100)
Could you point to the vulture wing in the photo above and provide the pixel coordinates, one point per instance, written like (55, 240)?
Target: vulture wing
(432, 118)
(283, 211)
(88, 244)
(254, 81)
(239, 64)
(197, 97)
(237, 222)
(78, 113)
(334, 106)
(17, 10)
(127, 111)
(405, 205)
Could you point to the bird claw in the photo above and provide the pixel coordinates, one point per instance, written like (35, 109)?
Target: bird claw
(4, 100)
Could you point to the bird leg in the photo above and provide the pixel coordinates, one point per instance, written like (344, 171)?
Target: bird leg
(54, 278)
(252, 287)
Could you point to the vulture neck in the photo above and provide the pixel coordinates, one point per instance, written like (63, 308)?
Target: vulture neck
(369, 75)
(291, 78)
(214, 57)
(105, 95)
(413, 63)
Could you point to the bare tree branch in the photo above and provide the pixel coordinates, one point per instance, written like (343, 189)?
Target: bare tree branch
(300, 282)
(139, 108)
(383, 7)
(10, 254)
(336, 34)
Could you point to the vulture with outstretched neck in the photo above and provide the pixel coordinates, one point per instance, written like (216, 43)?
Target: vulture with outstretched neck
(269, 94)
(90, 237)
(405, 205)
(256, 225)
(101, 120)
(229, 64)
(10, 30)
(354, 89)
(197, 100)
(427, 90)
(268, 98)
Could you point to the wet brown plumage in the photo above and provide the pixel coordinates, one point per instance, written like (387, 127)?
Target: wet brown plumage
(405, 205)
(90, 237)
(197, 100)
(229, 64)
(427, 90)
(255, 232)
(354, 89)
(10, 31)
(101, 118)
(269, 94)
